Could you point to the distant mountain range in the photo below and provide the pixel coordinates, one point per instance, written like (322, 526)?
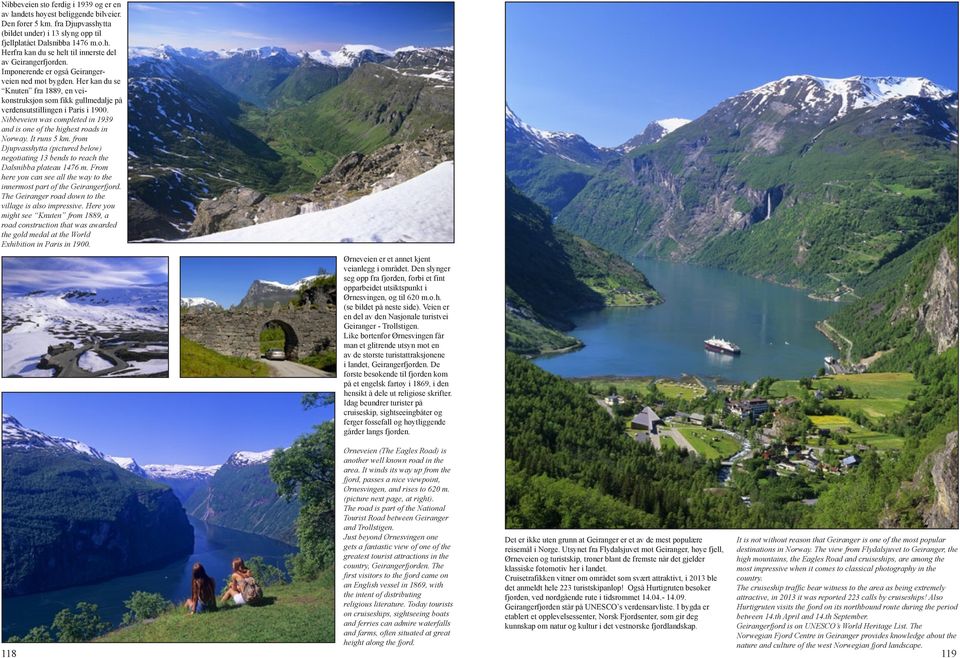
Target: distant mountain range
(201, 123)
(260, 294)
(808, 181)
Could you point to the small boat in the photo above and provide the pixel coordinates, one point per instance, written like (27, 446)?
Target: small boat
(721, 346)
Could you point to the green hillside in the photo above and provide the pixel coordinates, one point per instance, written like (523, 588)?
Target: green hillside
(296, 612)
(885, 318)
(199, 361)
(551, 274)
(780, 194)
(374, 106)
(70, 519)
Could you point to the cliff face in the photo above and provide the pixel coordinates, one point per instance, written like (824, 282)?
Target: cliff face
(243, 497)
(72, 519)
(938, 312)
(942, 510)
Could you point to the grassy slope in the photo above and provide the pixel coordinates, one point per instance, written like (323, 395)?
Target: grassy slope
(198, 361)
(298, 612)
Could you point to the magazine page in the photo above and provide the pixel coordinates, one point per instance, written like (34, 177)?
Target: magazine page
(731, 379)
(266, 269)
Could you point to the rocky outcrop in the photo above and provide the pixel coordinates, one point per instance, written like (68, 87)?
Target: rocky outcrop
(930, 497)
(242, 496)
(240, 207)
(939, 310)
(942, 510)
(71, 519)
(355, 175)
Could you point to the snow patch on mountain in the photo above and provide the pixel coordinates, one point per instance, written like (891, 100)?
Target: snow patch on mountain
(192, 302)
(350, 55)
(247, 458)
(417, 210)
(180, 471)
(855, 92)
(671, 124)
(16, 435)
(537, 133)
(293, 287)
(129, 464)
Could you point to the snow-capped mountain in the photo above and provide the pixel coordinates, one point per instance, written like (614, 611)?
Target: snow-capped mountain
(267, 293)
(246, 458)
(349, 55)
(835, 97)
(129, 464)
(653, 133)
(16, 435)
(198, 302)
(566, 145)
(180, 471)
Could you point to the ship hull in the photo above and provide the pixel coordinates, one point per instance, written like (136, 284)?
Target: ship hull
(720, 350)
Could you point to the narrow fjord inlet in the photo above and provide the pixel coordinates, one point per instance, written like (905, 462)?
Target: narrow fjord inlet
(97, 547)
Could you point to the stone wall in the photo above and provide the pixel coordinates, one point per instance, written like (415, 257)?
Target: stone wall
(236, 332)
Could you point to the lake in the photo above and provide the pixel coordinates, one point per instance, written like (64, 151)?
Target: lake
(214, 547)
(773, 325)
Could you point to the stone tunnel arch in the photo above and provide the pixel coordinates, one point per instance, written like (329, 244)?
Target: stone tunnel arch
(291, 341)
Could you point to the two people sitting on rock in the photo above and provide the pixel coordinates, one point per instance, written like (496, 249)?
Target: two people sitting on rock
(203, 596)
(243, 588)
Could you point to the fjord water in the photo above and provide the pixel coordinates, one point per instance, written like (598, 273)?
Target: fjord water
(772, 324)
(213, 546)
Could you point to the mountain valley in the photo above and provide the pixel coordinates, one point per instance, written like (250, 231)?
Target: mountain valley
(207, 123)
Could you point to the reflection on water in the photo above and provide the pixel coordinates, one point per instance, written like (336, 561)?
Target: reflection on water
(213, 546)
(773, 325)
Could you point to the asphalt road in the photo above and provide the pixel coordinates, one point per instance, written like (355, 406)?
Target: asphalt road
(292, 369)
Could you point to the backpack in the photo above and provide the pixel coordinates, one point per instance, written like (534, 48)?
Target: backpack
(252, 594)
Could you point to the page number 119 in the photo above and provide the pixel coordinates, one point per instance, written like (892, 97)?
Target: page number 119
(948, 653)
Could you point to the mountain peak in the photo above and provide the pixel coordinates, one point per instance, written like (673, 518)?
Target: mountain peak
(15, 435)
(247, 458)
(203, 302)
(128, 464)
(855, 92)
(654, 132)
(180, 471)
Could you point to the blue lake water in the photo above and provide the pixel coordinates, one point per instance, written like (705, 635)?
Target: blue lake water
(773, 325)
(214, 547)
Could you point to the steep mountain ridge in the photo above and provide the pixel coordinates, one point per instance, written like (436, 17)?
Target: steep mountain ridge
(755, 183)
(241, 495)
(551, 274)
(73, 516)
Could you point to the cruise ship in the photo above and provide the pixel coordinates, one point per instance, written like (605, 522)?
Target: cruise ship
(720, 345)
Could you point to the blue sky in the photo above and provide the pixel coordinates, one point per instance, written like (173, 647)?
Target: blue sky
(606, 70)
(26, 274)
(169, 428)
(226, 280)
(294, 26)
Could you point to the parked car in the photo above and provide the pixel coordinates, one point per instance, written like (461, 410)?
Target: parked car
(276, 354)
